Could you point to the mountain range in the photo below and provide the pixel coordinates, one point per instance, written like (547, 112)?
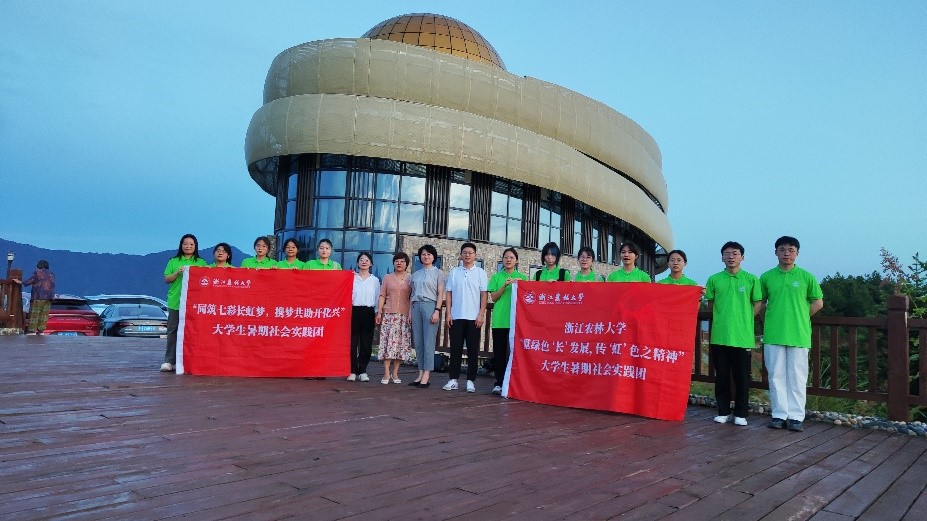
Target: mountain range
(79, 273)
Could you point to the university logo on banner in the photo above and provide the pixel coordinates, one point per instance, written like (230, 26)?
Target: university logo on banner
(623, 347)
(275, 323)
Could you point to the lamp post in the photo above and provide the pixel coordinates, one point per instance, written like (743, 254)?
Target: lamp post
(9, 262)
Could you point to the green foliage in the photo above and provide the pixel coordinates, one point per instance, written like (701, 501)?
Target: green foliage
(910, 280)
(853, 296)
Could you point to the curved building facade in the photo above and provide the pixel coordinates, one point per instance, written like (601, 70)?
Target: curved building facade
(417, 133)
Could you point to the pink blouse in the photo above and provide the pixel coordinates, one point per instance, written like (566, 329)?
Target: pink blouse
(397, 293)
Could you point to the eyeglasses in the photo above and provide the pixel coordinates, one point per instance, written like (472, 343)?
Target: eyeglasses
(787, 250)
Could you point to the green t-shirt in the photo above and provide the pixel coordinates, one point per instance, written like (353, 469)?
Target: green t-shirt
(297, 265)
(788, 297)
(553, 274)
(173, 292)
(592, 277)
(636, 275)
(252, 262)
(502, 308)
(681, 281)
(732, 312)
(213, 265)
(316, 264)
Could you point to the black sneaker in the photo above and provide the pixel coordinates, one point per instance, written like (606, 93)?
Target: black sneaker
(776, 423)
(795, 425)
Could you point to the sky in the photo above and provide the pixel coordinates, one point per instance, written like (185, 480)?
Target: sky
(122, 125)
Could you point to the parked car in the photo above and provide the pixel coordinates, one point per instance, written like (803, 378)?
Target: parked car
(99, 302)
(134, 320)
(70, 315)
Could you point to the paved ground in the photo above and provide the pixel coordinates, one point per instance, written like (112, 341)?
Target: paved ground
(89, 430)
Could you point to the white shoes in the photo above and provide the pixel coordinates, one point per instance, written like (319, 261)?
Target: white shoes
(397, 381)
(497, 390)
(722, 419)
(451, 385)
(351, 377)
(167, 367)
(740, 421)
(471, 387)
(363, 377)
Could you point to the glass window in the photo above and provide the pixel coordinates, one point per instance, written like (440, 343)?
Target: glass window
(384, 242)
(515, 207)
(387, 187)
(350, 260)
(290, 221)
(457, 224)
(543, 235)
(332, 184)
(359, 241)
(413, 189)
(460, 196)
(384, 216)
(497, 229)
(500, 204)
(291, 186)
(329, 213)
(382, 264)
(362, 184)
(306, 239)
(411, 218)
(577, 235)
(336, 236)
(514, 232)
(544, 217)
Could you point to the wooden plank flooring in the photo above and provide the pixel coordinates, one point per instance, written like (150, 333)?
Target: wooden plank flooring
(89, 429)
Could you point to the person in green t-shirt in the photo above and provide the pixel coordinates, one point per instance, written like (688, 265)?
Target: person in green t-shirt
(290, 249)
(677, 262)
(585, 274)
(792, 297)
(734, 298)
(550, 259)
(222, 255)
(187, 255)
(260, 259)
(628, 272)
(323, 261)
(500, 290)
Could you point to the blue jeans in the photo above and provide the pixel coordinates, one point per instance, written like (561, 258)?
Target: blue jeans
(424, 334)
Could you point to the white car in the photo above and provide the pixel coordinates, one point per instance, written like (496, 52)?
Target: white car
(99, 302)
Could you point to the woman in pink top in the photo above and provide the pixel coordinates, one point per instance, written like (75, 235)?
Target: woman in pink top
(393, 317)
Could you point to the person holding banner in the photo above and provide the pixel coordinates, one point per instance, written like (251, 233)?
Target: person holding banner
(629, 272)
(466, 307)
(260, 260)
(323, 261)
(393, 309)
(364, 297)
(500, 289)
(222, 255)
(290, 249)
(187, 255)
(550, 258)
(734, 298)
(792, 297)
(677, 262)
(427, 295)
(585, 274)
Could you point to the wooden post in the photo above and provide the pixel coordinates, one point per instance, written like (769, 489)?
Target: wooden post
(898, 358)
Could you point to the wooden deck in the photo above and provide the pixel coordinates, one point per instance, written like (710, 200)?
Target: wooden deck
(89, 429)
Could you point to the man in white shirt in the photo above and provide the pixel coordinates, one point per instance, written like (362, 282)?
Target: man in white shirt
(466, 309)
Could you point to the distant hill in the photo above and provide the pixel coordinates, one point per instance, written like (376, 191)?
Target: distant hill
(80, 273)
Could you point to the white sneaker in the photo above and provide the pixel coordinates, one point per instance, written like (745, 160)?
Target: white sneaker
(351, 377)
(451, 385)
(722, 419)
(497, 390)
(363, 377)
(471, 387)
(740, 421)
(167, 367)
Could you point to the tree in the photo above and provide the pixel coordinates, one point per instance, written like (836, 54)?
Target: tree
(853, 296)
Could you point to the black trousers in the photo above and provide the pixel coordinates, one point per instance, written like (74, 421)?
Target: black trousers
(173, 322)
(500, 353)
(362, 326)
(464, 332)
(731, 361)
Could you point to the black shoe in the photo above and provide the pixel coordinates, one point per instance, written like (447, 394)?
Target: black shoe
(776, 423)
(795, 425)
(424, 385)
(414, 384)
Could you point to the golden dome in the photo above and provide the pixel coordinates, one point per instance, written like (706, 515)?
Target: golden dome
(438, 32)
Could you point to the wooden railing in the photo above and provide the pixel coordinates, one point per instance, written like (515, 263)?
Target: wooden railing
(11, 304)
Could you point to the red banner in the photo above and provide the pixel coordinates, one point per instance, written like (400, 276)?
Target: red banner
(624, 347)
(278, 323)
